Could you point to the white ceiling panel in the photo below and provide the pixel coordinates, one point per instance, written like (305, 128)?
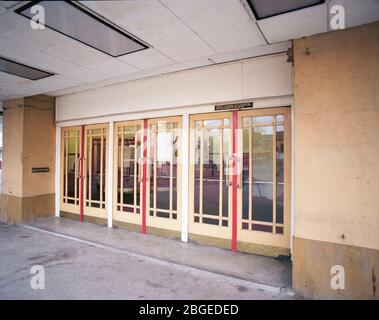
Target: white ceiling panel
(202, 15)
(155, 25)
(300, 23)
(185, 48)
(2, 10)
(253, 52)
(47, 84)
(146, 59)
(14, 50)
(8, 80)
(15, 27)
(77, 53)
(358, 12)
(113, 67)
(8, 4)
(121, 10)
(182, 34)
(185, 65)
(37, 59)
(235, 37)
(90, 58)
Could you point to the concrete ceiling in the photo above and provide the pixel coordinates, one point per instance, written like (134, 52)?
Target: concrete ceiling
(182, 34)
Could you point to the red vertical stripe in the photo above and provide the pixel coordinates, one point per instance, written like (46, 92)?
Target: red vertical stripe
(234, 181)
(144, 176)
(81, 176)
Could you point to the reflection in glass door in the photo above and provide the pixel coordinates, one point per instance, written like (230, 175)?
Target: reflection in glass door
(210, 180)
(243, 196)
(127, 171)
(95, 169)
(264, 197)
(163, 170)
(70, 163)
(83, 170)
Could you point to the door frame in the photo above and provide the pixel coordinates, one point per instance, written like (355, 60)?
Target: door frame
(202, 229)
(258, 237)
(81, 209)
(234, 232)
(154, 221)
(71, 208)
(128, 217)
(88, 210)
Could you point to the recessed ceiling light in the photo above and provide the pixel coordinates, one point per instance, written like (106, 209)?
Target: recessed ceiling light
(76, 22)
(21, 70)
(268, 8)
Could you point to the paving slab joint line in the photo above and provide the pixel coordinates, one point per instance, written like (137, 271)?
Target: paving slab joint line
(137, 254)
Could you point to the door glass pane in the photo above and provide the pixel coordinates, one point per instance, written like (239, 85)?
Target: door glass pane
(262, 173)
(139, 167)
(175, 168)
(263, 120)
(197, 170)
(103, 171)
(72, 162)
(129, 167)
(163, 169)
(211, 171)
(212, 123)
(151, 164)
(129, 157)
(164, 150)
(119, 163)
(279, 173)
(245, 173)
(95, 170)
(225, 187)
(95, 167)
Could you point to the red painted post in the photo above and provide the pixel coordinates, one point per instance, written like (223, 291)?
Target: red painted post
(81, 176)
(144, 176)
(234, 181)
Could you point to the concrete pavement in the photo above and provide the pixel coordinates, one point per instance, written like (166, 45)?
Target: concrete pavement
(77, 267)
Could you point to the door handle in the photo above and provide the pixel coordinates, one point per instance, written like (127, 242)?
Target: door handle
(77, 167)
(239, 173)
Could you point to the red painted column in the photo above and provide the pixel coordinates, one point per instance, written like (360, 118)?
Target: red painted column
(144, 176)
(234, 181)
(81, 176)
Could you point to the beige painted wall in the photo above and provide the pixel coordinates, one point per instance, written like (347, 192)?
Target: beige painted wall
(39, 146)
(29, 141)
(13, 135)
(337, 137)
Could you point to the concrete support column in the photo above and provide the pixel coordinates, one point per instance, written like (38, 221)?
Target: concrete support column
(28, 159)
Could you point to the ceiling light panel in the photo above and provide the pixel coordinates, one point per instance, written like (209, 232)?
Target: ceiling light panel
(21, 70)
(78, 23)
(268, 8)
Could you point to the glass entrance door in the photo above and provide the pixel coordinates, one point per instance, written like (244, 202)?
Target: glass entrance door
(243, 196)
(83, 170)
(95, 165)
(128, 172)
(163, 173)
(70, 169)
(264, 193)
(210, 181)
